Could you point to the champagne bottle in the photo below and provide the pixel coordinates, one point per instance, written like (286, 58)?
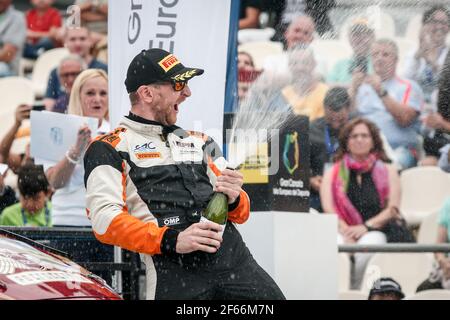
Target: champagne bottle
(217, 210)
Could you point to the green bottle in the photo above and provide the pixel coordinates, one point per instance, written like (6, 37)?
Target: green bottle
(217, 209)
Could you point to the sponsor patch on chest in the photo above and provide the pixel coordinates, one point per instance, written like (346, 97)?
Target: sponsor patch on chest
(146, 150)
(186, 150)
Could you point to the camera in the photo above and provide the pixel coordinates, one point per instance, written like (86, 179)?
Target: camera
(38, 107)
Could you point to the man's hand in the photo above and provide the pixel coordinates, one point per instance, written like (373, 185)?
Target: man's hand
(375, 82)
(230, 183)
(357, 80)
(201, 236)
(22, 113)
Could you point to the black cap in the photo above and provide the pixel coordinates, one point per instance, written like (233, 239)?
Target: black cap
(386, 285)
(155, 65)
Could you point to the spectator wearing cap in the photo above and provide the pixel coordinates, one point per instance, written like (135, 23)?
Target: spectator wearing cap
(13, 32)
(34, 209)
(323, 138)
(361, 38)
(391, 102)
(386, 289)
(424, 63)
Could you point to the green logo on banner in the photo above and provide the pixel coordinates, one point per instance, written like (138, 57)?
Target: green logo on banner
(291, 141)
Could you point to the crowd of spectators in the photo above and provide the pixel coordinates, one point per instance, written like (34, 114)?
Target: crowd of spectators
(52, 194)
(368, 122)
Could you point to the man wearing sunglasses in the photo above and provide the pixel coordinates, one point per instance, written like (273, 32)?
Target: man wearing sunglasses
(148, 181)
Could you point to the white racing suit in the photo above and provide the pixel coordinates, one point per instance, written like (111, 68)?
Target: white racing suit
(147, 182)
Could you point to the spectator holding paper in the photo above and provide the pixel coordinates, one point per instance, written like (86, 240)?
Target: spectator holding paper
(89, 98)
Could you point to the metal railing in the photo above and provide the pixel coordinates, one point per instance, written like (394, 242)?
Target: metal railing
(395, 247)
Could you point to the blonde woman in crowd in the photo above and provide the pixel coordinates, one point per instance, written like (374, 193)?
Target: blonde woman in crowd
(89, 98)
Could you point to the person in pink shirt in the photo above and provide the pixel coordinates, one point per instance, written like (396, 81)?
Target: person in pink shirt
(42, 22)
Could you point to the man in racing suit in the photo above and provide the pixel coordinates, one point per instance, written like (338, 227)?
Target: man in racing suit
(147, 182)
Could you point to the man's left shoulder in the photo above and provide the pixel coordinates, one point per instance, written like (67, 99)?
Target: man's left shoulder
(112, 138)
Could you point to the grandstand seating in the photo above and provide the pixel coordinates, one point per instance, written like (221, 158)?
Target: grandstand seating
(352, 295)
(339, 49)
(19, 91)
(413, 28)
(424, 190)
(428, 229)
(405, 46)
(435, 294)
(260, 50)
(43, 66)
(249, 35)
(408, 269)
(344, 272)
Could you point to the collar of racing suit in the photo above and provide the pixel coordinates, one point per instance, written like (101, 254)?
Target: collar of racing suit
(154, 126)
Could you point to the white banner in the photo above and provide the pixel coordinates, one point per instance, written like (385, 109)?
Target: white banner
(196, 31)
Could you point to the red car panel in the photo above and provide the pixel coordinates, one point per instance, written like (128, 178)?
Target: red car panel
(28, 273)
